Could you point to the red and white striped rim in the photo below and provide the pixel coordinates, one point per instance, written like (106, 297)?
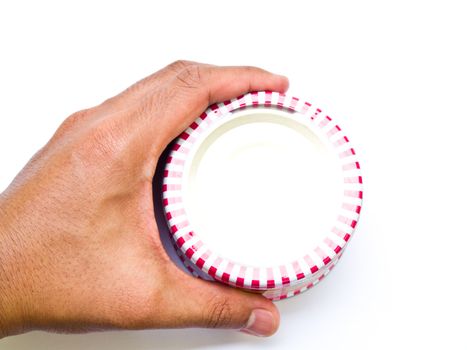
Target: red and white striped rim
(305, 269)
(272, 293)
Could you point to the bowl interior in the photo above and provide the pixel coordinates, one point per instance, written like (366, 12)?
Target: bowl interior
(262, 187)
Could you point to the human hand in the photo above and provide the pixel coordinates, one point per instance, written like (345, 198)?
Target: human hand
(79, 245)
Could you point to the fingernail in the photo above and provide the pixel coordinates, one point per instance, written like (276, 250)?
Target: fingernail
(261, 323)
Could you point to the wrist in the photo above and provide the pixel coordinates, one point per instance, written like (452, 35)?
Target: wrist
(11, 317)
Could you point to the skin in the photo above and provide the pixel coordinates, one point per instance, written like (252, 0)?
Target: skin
(79, 245)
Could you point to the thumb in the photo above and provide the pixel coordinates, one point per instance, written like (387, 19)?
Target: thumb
(213, 305)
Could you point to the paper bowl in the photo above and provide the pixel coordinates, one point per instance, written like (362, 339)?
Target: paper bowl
(262, 193)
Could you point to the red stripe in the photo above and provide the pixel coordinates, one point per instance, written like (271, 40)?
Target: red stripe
(347, 221)
(333, 131)
(212, 271)
(350, 166)
(341, 141)
(254, 98)
(347, 153)
(352, 180)
(240, 282)
(268, 100)
(200, 262)
(280, 102)
(352, 207)
(180, 241)
(172, 173)
(189, 253)
(355, 194)
(171, 200)
(171, 187)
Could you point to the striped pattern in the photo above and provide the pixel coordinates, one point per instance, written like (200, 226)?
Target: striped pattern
(275, 282)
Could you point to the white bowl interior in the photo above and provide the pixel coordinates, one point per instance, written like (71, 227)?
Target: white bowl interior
(262, 188)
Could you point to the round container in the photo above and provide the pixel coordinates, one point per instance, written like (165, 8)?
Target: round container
(262, 193)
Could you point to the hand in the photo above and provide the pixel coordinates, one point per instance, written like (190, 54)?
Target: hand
(79, 245)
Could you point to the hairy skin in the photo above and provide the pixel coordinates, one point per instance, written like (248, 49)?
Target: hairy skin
(79, 246)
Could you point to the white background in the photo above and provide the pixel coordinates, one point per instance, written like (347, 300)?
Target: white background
(392, 73)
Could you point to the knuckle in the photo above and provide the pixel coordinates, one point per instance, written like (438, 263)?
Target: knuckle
(73, 122)
(218, 313)
(179, 65)
(190, 76)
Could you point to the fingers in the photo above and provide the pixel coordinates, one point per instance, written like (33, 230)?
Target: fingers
(198, 303)
(146, 117)
(136, 92)
(194, 88)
